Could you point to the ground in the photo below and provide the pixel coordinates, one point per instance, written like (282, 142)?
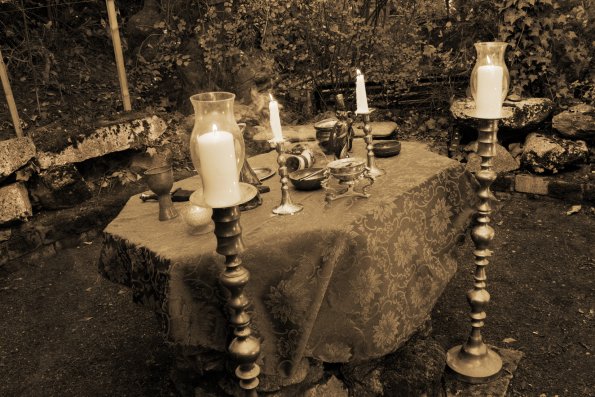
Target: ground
(68, 332)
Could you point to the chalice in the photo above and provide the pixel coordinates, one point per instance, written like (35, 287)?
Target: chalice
(160, 181)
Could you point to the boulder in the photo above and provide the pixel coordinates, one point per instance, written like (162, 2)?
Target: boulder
(59, 187)
(502, 162)
(15, 153)
(551, 154)
(578, 122)
(517, 115)
(14, 203)
(414, 370)
(57, 146)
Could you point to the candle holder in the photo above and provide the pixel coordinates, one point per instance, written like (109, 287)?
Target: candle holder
(375, 172)
(244, 348)
(287, 207)
(474, 361)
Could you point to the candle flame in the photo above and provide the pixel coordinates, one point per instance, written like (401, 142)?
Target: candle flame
(215, 128)
(358, 72)
(271, 96)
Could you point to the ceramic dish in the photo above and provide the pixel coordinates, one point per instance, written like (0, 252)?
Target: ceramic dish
(307, 179)
(386, 148)
(263, 173)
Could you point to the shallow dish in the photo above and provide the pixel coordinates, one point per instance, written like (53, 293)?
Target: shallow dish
(301, 180)
(386, 148)
(263, 173)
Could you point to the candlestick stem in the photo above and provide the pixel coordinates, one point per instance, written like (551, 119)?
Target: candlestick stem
(368, 138)
(287, 207)
(474, 361)
(244, 349)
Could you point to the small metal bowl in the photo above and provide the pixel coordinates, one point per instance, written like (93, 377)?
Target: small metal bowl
(348, 169)
(386, 148)
(301, 181)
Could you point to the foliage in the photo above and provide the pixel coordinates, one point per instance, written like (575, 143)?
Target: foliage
(551, 45)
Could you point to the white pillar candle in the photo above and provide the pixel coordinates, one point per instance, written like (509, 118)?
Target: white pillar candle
(488, 98)
(220, 179)
(360, 94)
(275, 120)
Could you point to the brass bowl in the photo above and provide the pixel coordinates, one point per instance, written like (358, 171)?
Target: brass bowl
(301, 181)
(348, 169)
(386, 148)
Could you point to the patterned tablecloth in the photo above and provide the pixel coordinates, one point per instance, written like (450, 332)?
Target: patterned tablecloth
(352, 280)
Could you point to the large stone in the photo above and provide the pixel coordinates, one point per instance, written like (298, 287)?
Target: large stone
(14, 203)
(57, 146)
(59, 187)
(15, 153)
(414, 370)
(517, 115)
(552, 154)
(578, 122)
(501, 162)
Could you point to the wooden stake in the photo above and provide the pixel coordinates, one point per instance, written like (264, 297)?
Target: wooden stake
(113, 23)
(10, 98)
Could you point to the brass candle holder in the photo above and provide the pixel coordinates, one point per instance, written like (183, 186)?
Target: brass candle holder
(474, 361)
(244, 349)
(287, 207)
(375, 172)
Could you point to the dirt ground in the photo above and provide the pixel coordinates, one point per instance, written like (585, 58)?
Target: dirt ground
(68, 332)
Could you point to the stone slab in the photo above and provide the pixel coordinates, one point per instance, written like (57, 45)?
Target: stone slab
(496, 388)
(526, 183)
(15, 153)
(103, 140)
(14, 203)
(578, 122)
(517, 115)
(306, 132)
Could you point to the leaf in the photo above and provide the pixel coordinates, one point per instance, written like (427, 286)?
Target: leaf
(574, 209)
(509, 340)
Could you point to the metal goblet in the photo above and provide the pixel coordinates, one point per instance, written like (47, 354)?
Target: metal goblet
(160, 181)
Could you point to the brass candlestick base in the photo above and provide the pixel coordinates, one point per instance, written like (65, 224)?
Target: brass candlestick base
(375, 172)
(287, 207)
(244, 349)
(474, 361)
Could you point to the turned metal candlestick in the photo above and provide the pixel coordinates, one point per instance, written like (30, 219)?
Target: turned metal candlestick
(371, 163)
(474, 361)
(244, 349)
(287, 207)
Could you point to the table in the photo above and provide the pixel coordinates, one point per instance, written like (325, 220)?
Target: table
(348, 281)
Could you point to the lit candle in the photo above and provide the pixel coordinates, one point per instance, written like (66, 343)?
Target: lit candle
(488, 98)
(220, 179)
(360, 93)
(275, 120)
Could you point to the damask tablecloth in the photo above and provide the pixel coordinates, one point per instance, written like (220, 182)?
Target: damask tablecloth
(348, 281)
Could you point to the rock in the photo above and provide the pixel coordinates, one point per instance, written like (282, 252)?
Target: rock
(15, 153)
(14, 203)
(58, 147)
(578, 122)
(59, 187)
(517, 115)
(414, 370)
(552, 154)
(501, 162)
(333, 387)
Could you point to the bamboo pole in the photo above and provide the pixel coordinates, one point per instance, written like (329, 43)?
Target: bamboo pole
(115, 33)
(12, 107)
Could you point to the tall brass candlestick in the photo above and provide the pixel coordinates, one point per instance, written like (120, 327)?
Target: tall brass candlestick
(287, 207)
(474, 361)
(371, 163)
(244, 348)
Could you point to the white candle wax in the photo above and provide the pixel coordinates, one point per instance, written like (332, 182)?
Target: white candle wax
(360, 94)
(275, 120)
(488, 98)
(218, 170)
